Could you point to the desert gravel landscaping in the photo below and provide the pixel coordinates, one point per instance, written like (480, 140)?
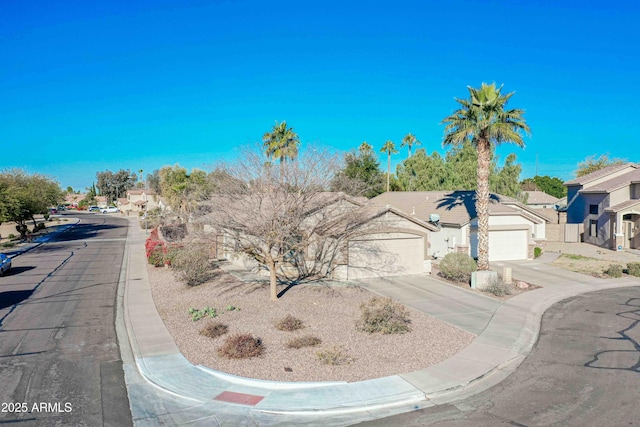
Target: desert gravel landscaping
(329, 313)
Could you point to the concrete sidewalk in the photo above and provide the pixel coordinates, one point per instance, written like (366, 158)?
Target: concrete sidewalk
(164, 388)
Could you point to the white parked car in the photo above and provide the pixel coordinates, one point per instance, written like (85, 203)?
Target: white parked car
(110, 209)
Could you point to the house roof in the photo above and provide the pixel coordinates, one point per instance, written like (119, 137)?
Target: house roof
(540, 198)
(598, 174)
(623, 205)
(140, 192)
(614, 183)
(123, 201)
(455, 208)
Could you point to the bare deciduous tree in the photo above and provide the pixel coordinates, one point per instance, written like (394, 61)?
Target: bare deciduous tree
(282, 222)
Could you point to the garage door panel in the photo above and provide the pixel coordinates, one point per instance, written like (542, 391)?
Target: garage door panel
(508, 245)
(385, 257)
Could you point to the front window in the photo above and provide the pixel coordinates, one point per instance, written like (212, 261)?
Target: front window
(593, 209)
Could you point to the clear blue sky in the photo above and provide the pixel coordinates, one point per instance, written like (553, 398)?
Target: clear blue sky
(88, 86)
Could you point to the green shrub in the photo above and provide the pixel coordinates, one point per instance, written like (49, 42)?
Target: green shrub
(614, 270)
(241, 346)
(633, 268)
(457, 266)
(214, 330)
(336, 355)
(191, 264)
(537, 252)
(383, 315)
(289, 324)
(497, 287)
(199, 314)
(156, 256)
(304, 341)
(11, 236)
(46, 217)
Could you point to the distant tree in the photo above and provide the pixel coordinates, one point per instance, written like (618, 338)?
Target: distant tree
(506, 181)
(183, 190)
(462, 166)
(361, 174)
(22, 196)
(421, 172)
(115, 185)
(154, 181)
(593, 163)
(281, 144)
(484, 121)
(409, 140)
(550, 185)
(389, 148)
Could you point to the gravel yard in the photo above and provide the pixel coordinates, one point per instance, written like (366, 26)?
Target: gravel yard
(328, 313)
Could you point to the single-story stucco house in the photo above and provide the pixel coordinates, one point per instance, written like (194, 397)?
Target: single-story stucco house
(514, 228)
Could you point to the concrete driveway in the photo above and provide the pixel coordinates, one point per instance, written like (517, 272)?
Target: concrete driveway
(466, 310)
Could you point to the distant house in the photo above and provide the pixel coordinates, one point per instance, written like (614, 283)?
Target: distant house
(139, 201)
(74, 198)
(607, 204)
(513, 227)
(101, 201)
(540, 200)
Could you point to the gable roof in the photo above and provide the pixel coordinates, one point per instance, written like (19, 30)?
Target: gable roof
(455, 208)
(540, 198)
(585, 179)
(614, 183)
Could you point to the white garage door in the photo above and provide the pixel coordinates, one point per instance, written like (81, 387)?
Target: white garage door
(507, 245)
(392, 256)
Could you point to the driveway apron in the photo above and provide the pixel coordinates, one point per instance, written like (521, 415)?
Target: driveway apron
(464, 309)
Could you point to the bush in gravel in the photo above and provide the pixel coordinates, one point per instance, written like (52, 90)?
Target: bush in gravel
(497, 287)
(537, 251)
(336, 355)
(633, 268)
(383, 315)
(156, 256)
(614, 270)
(214, 330)
(457, 266)
(199, 314)
(241, 346)
(304, 341)
(289, 324)
(191, 264)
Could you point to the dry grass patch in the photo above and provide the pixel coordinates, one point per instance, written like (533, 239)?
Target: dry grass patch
(214, 330)
(289, 324)
(304, 341)
(241, 346)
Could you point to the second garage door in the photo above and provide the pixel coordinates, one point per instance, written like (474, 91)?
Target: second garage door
(508, 245)
(385, 255)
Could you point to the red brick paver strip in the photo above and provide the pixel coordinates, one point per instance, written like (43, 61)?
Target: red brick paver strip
(239, 398)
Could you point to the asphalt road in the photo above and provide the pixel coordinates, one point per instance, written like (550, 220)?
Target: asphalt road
(59, 357)
(583, 371)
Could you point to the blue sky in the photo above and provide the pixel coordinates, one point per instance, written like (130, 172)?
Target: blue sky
(91, 86)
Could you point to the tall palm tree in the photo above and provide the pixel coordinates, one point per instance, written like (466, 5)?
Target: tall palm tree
(281, 144)
(409, 140)
(390, 148)
(483, 120)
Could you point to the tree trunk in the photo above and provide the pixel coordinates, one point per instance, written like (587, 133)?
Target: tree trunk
(482, 203)
(388, 169)
(271, 264)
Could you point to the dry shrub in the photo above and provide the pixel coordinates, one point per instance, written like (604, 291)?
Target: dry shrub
(614, 270)
(336, 355)
(191, 264)
(457, 266)
(214, 330)
(241, 346)
(304, 341)
(383, 315)
(289, 324)
(633, 269)
(497, 287)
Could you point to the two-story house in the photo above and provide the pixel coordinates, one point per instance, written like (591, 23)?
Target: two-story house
(607, 203)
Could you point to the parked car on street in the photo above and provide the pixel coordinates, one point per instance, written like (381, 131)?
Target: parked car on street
(110, 209)
(5, 264)
(94, 209)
